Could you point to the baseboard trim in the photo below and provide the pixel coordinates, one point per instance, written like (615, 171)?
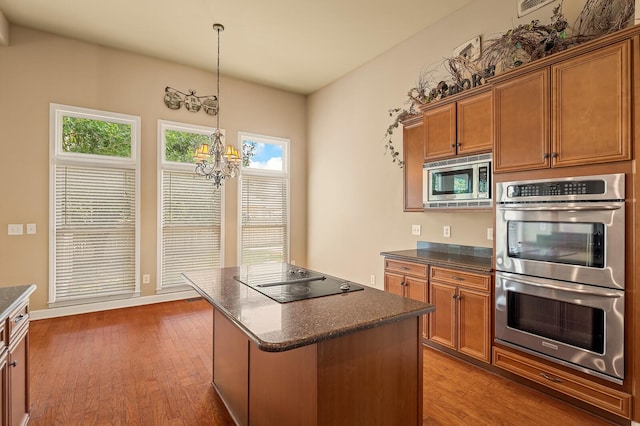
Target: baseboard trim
(113, 304)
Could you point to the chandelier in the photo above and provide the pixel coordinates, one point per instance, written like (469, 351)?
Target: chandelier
(217, 162)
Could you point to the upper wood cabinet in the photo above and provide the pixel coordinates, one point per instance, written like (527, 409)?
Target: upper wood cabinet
(412, 140)
(461, 127)
(573, 112)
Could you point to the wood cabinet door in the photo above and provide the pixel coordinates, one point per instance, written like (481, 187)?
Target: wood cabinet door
(19, 382)
(4, 382)
(413, 146)
(417, 290)
(394, 283)
(439, 125)
(474, 324)
(442, 321)
(521, 118)
(592, 107)
(475, 124)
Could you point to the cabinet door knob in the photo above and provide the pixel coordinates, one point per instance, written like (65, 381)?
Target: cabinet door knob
(453, 145)
(14, 363)
(545, 156)
(554, 154)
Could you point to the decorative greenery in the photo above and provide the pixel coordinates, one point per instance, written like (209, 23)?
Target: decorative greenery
(520, 45)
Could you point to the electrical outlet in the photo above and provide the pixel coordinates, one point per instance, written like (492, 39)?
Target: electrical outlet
(446, 231)
(489, 233)
(416, 230)
(146, 279)
(372, 279)
(293, 262)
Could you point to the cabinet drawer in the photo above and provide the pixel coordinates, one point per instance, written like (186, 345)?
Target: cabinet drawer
(616, 402)
(407, 268)
(459, 278)
(17, 320)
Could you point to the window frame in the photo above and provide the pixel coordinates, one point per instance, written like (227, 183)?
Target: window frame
(284, 173)
(57, 157)
(164, 165)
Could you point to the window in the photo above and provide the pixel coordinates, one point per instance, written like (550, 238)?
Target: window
(264, 200)
(189, 207)
(94, 190)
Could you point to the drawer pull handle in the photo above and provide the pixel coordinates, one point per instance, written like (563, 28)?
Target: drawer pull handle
(551, 378)
(405, 268)
(14, 363)
(19, 318)
(455, 278)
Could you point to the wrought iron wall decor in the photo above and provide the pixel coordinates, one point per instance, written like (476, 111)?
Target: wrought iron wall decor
(174, 99)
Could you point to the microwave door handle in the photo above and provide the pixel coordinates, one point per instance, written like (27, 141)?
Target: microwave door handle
(609, 294)
(561, 208)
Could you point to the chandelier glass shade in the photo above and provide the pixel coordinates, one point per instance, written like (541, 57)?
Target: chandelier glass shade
(215, 161)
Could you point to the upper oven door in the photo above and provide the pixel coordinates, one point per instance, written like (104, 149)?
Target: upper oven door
(576, 242)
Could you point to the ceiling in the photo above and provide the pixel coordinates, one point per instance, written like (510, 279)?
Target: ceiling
(295, 45)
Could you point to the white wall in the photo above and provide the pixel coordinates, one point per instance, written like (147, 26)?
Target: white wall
(355, 192)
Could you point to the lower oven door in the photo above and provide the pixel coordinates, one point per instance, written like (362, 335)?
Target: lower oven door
(580, 326)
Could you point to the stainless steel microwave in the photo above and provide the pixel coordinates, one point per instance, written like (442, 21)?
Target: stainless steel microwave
(460, 182)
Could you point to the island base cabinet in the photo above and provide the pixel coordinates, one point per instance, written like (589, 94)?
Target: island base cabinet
(369, 377)
(283, 386)
(231, 367)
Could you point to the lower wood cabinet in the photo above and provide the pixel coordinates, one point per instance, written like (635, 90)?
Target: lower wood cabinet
(462, 319)
(407, 279)
(603, 397)
(14, 367)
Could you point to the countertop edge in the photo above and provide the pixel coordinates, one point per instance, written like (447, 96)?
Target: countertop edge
(30, 288)
(282, 347)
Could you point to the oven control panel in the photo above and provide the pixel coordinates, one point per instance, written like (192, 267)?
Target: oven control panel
(561, 188)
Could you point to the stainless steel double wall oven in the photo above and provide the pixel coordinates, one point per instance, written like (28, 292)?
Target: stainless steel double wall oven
(560, 271)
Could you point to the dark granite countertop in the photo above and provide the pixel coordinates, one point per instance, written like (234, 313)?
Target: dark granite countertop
(11, 297)
(277, 327)
(440, 258)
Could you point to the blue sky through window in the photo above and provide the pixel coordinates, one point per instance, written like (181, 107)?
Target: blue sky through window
(268, 156)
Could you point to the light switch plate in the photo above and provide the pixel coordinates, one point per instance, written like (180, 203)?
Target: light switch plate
(146, 279)
(31, 228)
(15, 229)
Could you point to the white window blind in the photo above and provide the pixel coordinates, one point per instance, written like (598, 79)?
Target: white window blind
(191, 226)
(264, 231)
(94, 232)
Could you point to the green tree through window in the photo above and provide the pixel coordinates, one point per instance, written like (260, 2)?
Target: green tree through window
(88, 136)
(181, 146)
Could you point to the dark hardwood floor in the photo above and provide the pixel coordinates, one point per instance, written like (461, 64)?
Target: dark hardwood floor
(151, 365)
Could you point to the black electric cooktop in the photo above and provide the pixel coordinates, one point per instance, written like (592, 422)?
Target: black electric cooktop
(287, 283)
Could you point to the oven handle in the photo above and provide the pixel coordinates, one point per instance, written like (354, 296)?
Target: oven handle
(603, 293)
(562, 208)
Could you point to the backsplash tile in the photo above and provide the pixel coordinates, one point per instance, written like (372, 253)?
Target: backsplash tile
(456, 249)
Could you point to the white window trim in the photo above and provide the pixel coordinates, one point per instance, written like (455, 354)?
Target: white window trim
(286, 146)
(163, 165)
(58, 157)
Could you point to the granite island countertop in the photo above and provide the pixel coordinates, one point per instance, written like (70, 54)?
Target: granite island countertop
(11, 297)
(277, 327)
(468, 261)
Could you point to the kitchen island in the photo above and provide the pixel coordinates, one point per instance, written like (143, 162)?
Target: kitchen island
(349, 358)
